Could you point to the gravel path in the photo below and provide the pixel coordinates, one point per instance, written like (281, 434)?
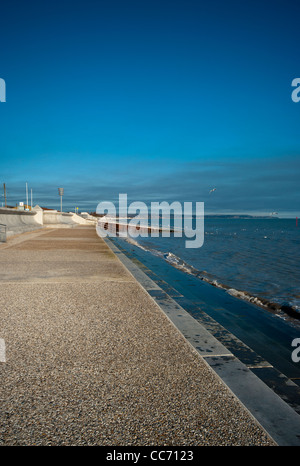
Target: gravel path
(92, 360)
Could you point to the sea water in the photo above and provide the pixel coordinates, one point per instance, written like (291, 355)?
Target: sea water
(256, 259)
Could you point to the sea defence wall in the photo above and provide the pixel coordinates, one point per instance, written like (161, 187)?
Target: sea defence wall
(17, 221)
(66, 218)
(20, 221)
(58, 218)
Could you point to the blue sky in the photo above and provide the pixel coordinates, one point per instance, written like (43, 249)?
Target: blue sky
(162, 100)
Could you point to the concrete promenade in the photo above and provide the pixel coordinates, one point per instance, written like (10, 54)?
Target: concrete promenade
(88, 358)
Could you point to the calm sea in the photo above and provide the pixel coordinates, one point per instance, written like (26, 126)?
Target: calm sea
(253, 259)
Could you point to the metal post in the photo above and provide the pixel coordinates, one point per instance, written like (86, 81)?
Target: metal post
(61, 192)
(4, 187)
(26, 196)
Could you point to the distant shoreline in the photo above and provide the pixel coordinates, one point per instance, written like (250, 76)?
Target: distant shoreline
(229, 216)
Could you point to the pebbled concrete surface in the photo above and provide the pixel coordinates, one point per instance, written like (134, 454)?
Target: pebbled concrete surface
(91, 359)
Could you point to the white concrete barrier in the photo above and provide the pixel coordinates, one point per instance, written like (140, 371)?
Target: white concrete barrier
(52, 217)
(20, 221)
(84, 220)
(17, 221)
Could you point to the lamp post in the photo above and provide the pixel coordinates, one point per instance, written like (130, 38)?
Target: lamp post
(4, 187)
(61, 193)
(26, 196)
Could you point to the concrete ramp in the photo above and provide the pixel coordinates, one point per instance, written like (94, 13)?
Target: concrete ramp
(84, 220)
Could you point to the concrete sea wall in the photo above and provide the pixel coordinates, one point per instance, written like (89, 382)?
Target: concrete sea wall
(20, 221)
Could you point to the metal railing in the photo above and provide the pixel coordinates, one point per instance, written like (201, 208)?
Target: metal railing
(2, 233)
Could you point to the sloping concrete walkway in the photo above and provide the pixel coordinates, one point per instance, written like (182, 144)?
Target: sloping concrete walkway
(88, 357)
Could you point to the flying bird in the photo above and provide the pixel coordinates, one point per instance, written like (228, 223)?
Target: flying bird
(212, 190)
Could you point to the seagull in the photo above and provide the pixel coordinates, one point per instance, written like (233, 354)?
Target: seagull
(212, 190)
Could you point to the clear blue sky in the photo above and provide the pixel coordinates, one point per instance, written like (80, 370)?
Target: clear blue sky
(162, 100)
